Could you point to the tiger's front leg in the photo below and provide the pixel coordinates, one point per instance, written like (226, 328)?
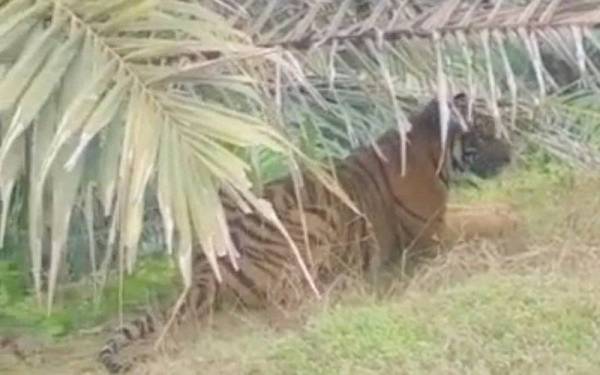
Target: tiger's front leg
(477, 221)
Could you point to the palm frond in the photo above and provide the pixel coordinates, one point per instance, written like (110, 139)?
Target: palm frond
(522, 53)
(93, 78)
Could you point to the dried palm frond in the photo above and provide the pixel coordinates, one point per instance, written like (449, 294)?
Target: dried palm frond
(518, 53)
(86, 91)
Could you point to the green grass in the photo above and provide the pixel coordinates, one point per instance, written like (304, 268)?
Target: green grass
(493, 324)
(77, 307)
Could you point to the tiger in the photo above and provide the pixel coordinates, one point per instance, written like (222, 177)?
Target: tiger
(483, 135)
(400, 205)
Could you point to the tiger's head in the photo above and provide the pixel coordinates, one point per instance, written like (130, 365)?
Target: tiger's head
(471, 146)
(483, 153)
(477, 149)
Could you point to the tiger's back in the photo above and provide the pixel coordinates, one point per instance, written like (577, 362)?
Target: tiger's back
(399, 209)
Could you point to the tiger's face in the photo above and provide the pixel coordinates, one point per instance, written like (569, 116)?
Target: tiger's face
(484, 155)
(478, 149)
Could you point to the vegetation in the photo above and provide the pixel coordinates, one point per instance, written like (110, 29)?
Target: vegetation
(121, 121)
(152, 283)
(155, 280)
(214, 88)
(479, 308)
(495, 324)
(483, 308)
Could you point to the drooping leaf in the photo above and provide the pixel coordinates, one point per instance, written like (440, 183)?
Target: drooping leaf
(19, 76)
(48, 78)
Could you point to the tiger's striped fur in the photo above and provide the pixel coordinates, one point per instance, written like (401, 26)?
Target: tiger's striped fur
(399, 211)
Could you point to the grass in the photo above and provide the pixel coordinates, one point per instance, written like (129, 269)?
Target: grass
(480, 309)
(492, 324)
(78, 308)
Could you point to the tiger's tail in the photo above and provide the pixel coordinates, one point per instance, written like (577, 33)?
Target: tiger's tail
(198, 303)
(134, 330)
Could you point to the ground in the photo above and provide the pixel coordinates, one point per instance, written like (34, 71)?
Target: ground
(486, 307)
